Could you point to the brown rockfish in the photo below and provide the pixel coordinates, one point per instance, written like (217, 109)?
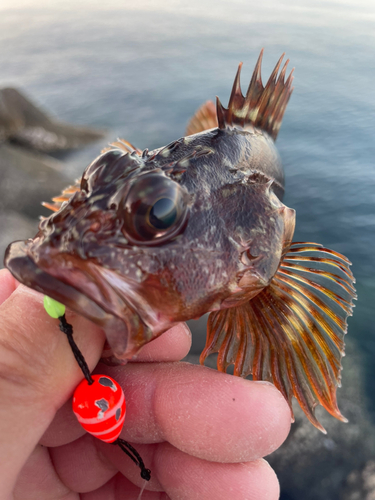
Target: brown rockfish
(149, 239)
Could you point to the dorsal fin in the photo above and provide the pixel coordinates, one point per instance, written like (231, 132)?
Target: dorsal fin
(124, 145)
(65, 195)
(262, 107)
(203, 119)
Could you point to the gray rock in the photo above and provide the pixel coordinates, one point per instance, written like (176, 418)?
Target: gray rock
(9, 122)
(14, 226)
(314, 466)
(27, 179)
(25, 123)
(360, 484)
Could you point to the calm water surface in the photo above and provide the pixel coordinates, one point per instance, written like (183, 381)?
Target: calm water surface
(140, 69)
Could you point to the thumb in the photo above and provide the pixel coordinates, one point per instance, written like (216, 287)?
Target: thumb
(38, 372)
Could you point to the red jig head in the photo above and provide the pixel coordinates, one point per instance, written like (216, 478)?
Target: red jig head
(100, 407)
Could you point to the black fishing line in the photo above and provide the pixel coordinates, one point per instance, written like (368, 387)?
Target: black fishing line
(67, 328)
(135, 456)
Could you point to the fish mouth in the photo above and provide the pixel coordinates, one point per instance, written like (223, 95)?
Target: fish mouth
(78, 284)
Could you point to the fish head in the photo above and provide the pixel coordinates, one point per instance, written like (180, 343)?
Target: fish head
(256, 231)
(141, 246)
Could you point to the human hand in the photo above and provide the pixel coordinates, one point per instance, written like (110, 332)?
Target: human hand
(202, 433)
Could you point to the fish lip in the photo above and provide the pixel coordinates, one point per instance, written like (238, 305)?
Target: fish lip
(23, 266)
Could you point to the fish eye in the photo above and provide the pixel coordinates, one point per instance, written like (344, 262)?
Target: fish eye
(163, 213)
(155, 209)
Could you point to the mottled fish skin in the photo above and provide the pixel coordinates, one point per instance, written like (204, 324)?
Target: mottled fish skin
(150, 239)
(229, 249)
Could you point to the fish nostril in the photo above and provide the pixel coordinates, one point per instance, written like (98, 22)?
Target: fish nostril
(95, 226)
(251, 254)
(248, 256)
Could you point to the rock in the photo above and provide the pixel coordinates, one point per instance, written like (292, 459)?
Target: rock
(27, 179)
(360, 484)
(23, 122)
(313, 466)
(14, 226)
(9, 123)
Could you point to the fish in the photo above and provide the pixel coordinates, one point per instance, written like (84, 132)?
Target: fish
(148, 239)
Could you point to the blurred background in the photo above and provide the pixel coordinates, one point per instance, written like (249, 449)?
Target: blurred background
(139, 70)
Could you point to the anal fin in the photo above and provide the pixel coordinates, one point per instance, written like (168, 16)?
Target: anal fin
(292, 332)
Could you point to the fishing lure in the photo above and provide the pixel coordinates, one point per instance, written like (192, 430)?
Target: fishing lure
(98, 401)
(147, 239)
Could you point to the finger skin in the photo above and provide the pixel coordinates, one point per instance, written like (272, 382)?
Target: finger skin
(229, 419)
(186, 478)
(208, 414)
(91, 471)
(37, 374)
(204, 413)
(173, 345)
(192, 406)
(120, 488)
(64, 428)
(71, 463)
(38, 480)
(7, 285)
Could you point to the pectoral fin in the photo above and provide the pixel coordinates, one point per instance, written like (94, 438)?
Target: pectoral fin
(291, 333)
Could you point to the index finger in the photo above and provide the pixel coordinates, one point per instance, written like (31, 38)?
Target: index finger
(202, 412)
(37, 372)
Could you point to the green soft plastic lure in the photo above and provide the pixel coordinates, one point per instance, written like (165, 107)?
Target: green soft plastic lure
(53, 308)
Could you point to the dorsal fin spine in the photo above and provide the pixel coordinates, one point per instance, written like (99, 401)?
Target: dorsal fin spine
(255, 87)
(220, 111)
(236, 98)
(263, 106)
